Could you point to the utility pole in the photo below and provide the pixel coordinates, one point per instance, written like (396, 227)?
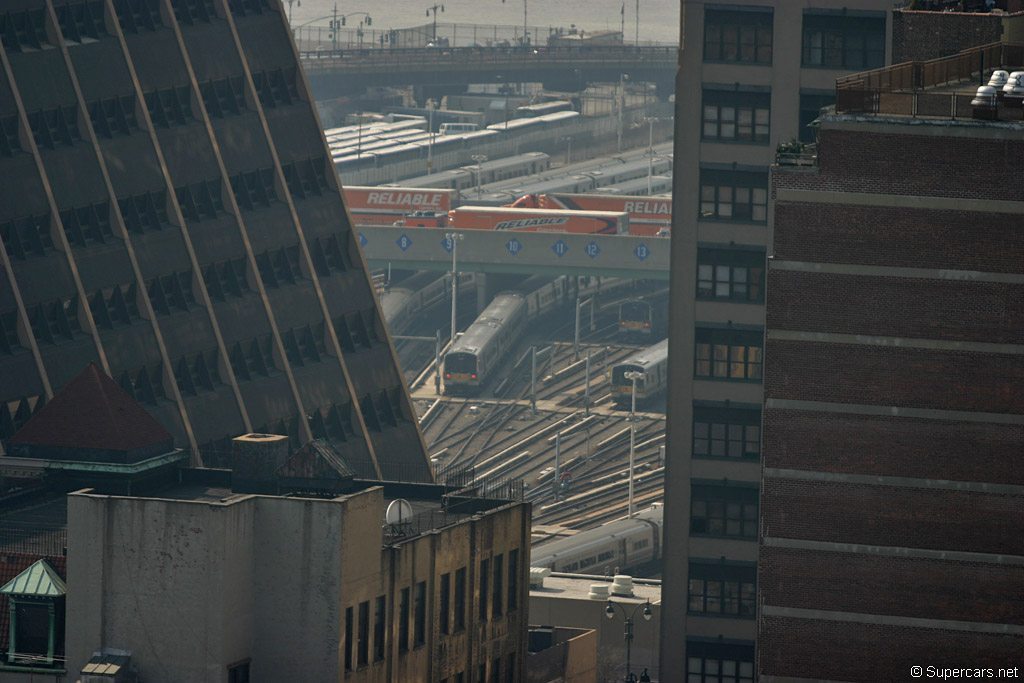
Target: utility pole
(586, 386)
(437, 363)
(558, 464)
(576, 334)
(533, 379)
(636, 42)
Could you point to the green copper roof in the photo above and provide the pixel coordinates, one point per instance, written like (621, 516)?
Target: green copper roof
(39, 580)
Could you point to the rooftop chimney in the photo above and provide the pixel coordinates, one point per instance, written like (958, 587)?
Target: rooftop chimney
(255, 459)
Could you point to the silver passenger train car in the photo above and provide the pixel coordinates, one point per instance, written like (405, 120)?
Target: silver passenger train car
(484, 344)
(652, 363)
(621, 544)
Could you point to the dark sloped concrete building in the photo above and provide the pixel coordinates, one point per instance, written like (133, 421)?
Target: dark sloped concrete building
(168, 210)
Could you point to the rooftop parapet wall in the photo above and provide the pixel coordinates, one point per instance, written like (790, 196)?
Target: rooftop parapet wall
(926, 35)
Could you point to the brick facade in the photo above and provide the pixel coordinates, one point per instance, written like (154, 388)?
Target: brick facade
(894, 446)
(927, 35)
(916, 308)
(917, 165)
(932, 518)
(901, 237)
(874, 584)
(846, 651)
(897, 376)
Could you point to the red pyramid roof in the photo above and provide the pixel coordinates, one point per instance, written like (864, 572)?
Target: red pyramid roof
(92, 411)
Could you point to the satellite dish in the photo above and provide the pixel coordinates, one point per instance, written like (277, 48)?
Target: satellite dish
(399, 511)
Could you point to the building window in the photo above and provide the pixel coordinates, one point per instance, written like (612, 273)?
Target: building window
(144, 212)
(241, 8)
(81, 21)
(134, 15)
(719, 662)
(87, 225)
(190, 12)
(9, 332)
(23, 30)
(55, 127)
(170, 106)
(200, 200)
(742, 36)
(378, 628)
(9, 140)
(114, 116)
(36, 615)
(724, 431)
(841, 41)
(146, 384)
(736, 116)
(730, 274)
(238, 673)
(403, 620)
(197, 372)
(348, 638)
(27, 237)
(253, 357)
(513, 579)
(445, 606)
(363, 643)
(170, 293)
(811, 105)
(485, 576)
(716, 588)
(460, 599)
(498, 590)
(115, 305)
(729, 354)
(329, 254)
(227, 278)
(306, 177)
(420, 614)
(224, 97)
(304, 344)
(276, 87)
(255, 188)
(723, 511)
(55, 320)
(510, 668)
(728, 195)
(496, 670)
(279, 266)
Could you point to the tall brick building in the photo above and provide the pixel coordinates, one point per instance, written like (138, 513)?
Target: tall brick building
(754, 74)
(169, 211)
(893, 492)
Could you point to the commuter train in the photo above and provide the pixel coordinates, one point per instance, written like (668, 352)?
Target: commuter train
(401, 305)
(640, 317)
(493, 171)
(470, 363)
(619, 545)
(484, 344)
(652, 363)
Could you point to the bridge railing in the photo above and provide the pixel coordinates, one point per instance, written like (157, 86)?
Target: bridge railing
(482, 57)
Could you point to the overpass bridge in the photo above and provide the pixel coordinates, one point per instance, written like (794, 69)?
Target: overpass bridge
(337, 73)
(547, 253)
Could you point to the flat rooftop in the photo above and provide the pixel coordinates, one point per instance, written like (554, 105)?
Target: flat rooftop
(936, 89)
(577, 587)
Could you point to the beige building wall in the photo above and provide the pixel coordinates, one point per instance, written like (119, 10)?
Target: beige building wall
(785, 78)
(192, 587)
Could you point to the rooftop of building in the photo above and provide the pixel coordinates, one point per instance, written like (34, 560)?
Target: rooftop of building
(962, 6)
(577, 587)
(937, 90)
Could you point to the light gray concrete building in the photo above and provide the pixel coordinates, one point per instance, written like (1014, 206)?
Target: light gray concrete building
(752, 76)
(201, 584)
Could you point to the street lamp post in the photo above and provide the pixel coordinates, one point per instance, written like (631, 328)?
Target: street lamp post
(622, 105)
(434, 8)
(479, 159)
(290, 3)
(636, 41)
(609, 612)
(454, 238)
(632, 376)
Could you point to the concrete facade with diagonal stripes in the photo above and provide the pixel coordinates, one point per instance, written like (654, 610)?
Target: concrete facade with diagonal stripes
(169, 211)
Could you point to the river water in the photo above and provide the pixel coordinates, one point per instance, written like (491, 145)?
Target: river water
(659, 19)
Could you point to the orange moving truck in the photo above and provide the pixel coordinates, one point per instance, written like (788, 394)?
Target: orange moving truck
(647, 215)
(538, 220)
(411, 206)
